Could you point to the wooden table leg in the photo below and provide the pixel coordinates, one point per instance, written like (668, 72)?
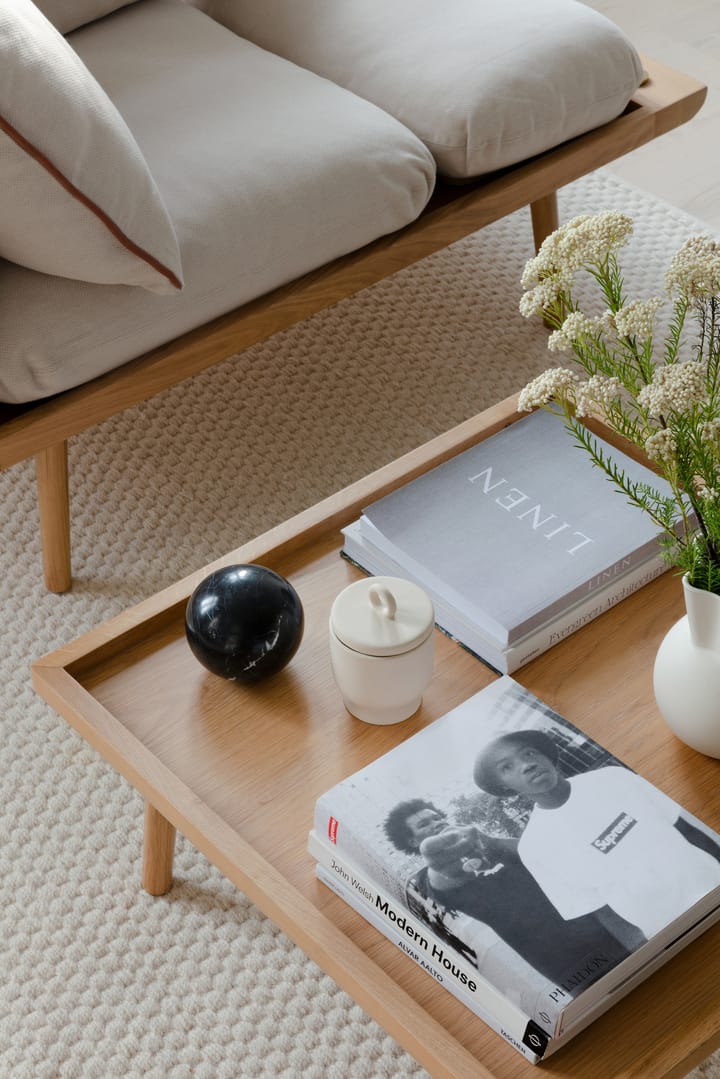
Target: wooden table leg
(158, 851)
(545, 219)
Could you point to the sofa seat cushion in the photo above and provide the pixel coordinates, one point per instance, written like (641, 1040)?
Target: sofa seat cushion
(484, 84)
(78, 199)
(267, 171)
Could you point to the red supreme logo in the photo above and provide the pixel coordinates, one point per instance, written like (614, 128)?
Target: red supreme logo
(332, 830)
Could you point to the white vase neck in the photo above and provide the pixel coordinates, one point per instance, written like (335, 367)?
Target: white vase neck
(703, 610)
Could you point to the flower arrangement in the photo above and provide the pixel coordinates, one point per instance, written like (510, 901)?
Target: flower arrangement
(667, 405)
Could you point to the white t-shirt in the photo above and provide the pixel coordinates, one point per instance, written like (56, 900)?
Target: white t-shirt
(614, 842)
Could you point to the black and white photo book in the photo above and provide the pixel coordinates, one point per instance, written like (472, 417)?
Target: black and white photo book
(515, 853)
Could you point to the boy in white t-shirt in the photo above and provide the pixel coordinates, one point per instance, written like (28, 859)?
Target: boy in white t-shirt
(603, 838)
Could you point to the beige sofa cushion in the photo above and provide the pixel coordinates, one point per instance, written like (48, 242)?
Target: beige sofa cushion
(67, 15)
(483, 84)
(267, 171)
(78, 199)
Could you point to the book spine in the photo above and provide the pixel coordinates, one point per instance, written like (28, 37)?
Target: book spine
(374, 896)
(582, 613)
(455, 969)
(595, 586)
(513, 1032)
(508, 660)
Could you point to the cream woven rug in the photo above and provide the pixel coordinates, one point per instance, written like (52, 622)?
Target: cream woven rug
(97, 980)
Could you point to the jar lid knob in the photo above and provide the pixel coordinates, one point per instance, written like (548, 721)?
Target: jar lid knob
(383, 600)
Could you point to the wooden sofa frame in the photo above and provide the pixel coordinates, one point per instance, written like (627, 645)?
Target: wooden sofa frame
(666, 99)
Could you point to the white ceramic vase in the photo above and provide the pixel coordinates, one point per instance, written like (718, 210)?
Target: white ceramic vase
(686, 676)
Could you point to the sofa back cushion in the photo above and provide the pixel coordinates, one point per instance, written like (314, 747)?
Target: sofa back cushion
(78, 199)
(268, 173)
(484, 85)
(67, 15)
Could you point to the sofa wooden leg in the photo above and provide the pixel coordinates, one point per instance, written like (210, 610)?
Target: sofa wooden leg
(51, 467)
(544, 214)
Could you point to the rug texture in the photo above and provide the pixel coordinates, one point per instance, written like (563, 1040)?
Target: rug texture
(97, 979)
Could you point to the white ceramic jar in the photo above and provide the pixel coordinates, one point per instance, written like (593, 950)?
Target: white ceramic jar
(382, 647)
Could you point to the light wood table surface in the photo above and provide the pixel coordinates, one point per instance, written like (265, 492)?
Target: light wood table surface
(238, 769)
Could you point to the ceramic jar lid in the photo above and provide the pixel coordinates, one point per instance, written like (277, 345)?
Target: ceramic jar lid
(382, 616)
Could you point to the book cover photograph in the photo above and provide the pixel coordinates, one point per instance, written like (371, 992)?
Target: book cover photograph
(547, 868)
(414, 940)
(515, 529)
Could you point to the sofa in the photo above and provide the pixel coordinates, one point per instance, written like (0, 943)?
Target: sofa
(184, 179)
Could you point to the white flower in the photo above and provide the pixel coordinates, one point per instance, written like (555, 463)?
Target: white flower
(637, 318)
(674, 388)
(584, 241)
(676, 418)
(661, 447)
(540, 267)
(695, 269)
(540, 298)
(597, 394)
(710, 433)
(553, 384)
(574, 328)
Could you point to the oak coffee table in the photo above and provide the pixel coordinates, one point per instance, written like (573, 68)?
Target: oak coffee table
(238, 769)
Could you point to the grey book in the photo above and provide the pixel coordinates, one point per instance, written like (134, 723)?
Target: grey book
(614, 588)
(517, 528)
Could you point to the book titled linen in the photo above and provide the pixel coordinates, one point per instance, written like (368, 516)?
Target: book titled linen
(516, 528)
(567, 620)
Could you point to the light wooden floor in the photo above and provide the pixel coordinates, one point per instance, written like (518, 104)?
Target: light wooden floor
(682, 167)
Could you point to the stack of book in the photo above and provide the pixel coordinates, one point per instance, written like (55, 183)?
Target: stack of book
(519, 540)
(526, 869)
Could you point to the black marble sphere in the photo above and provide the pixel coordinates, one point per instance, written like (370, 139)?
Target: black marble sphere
(244, 622)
